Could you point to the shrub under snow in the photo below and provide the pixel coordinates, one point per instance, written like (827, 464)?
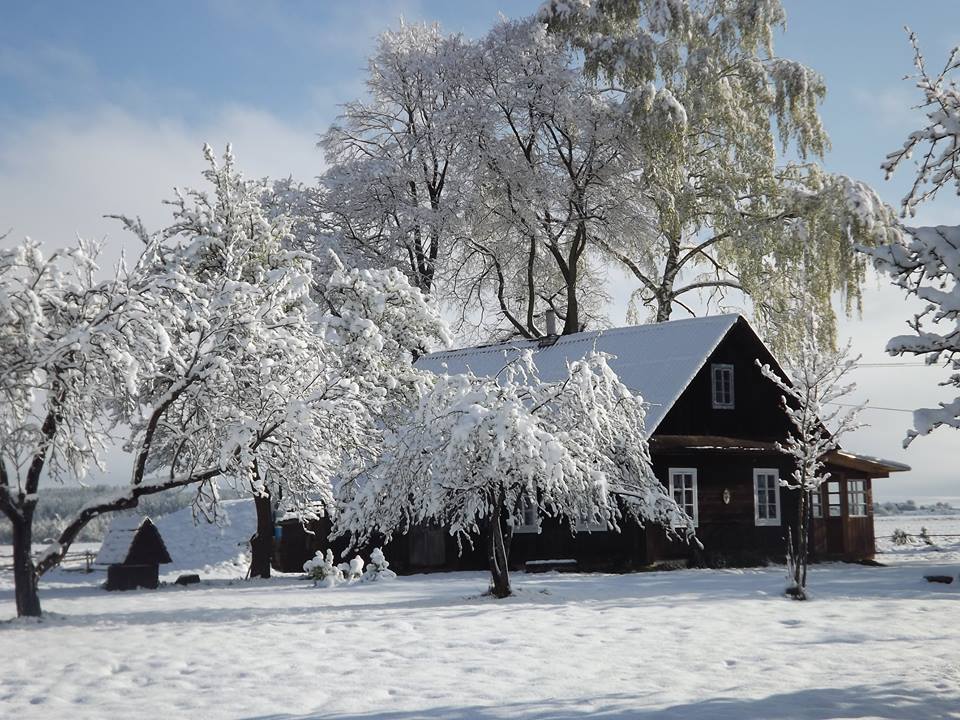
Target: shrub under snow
(321, 569)
(378, 568)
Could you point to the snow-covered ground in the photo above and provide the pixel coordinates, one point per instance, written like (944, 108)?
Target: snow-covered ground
(875, 642)
(944, 531)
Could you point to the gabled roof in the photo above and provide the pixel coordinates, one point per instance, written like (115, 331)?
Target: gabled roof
(657, 361)
(125, 534)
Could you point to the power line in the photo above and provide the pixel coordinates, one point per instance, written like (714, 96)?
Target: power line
(895, 364)
(871, 407)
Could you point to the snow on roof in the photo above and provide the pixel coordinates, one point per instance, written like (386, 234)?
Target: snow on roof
(656, 361)
(891, 465)
(119, 539)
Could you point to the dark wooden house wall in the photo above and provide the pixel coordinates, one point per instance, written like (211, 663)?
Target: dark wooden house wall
(756, 413)
(131, 577)
(728, 532)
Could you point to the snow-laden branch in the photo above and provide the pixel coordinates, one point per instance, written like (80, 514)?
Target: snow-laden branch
(478, 453)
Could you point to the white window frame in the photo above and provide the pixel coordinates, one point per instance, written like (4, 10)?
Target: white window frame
(692, 472)
(861, 491)
(767, 521)
(816, 503)
(837, 493)
(719, 404)
(525, 526)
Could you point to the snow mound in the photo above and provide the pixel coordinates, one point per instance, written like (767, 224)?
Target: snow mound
(206, 548)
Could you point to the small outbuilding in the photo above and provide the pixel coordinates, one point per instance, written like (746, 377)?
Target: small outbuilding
(133, 552)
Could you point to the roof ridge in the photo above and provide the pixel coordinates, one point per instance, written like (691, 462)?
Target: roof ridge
(517, 343)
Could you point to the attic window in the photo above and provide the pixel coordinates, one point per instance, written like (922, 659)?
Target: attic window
(722, 386)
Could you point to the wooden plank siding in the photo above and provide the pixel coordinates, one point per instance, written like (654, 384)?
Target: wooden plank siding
(728, 531)
(757, 410)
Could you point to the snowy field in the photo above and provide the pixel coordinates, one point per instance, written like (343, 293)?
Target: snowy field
(875, 642)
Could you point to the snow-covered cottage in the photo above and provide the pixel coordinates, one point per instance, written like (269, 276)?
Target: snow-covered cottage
(712, 422)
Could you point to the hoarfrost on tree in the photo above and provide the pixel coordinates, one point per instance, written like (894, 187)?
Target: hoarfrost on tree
(712, 102)
(219, 348)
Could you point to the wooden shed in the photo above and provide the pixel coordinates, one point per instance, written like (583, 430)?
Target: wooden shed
(133, 552)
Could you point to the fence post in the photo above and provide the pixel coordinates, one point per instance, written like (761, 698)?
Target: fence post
(87, 559)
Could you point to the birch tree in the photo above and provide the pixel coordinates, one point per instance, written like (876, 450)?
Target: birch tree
(476, 451)
(714, 104)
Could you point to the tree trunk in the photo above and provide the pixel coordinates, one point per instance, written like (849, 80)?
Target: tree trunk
(664, 295)
(798, 551)
(804, 541)
(261, 544)
(499, 555)
(664, 308)
(25, 576)
(571, 323)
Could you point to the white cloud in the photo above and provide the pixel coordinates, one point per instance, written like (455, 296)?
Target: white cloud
(892, 107)
(61, 175)
(931, 458)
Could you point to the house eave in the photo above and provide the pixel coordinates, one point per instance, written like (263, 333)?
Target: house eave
(678, 444)
(872, 466)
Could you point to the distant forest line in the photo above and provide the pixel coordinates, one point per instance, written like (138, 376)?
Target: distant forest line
(58, 505)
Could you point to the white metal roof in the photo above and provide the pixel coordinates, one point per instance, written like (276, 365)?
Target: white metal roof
(656, 361)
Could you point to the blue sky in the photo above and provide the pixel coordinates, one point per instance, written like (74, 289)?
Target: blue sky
(298, 60)
(105, 105)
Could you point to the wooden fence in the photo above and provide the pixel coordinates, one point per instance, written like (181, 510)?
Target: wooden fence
(79, 561)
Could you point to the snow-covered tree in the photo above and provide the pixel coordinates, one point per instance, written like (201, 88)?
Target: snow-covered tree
(925, 261)
(73, 352)
(555, 176)
(477, 451)
(238, 366)
(712, 103)
(391, 194)
(939, 139)
(813, 393)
